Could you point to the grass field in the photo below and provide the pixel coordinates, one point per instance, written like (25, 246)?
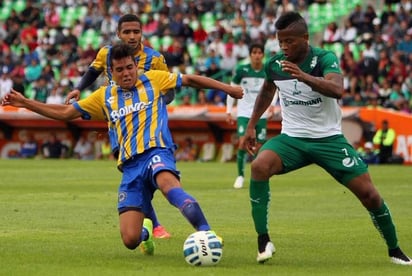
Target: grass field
(60, 218)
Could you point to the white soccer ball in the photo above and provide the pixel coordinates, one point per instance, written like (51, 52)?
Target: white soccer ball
(202, 248)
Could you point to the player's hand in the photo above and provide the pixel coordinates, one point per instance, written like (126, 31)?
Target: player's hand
(74, 94)
(14, 98)
(236, 92)
(229, 119)
(293, 69)
(249, 141)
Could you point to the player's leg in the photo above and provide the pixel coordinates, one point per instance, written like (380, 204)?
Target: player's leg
(342, 161)
(167, 178)
(241, 154)
(278, 155)
(134, 198)
(131, 228)
(159, 231)
(380, 214)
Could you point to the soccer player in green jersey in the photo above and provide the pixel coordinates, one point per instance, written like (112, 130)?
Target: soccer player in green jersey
(135, 109)
(309, 83)
(250, 77)
(129, 31)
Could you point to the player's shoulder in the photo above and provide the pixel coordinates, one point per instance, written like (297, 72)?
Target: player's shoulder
(105, 49)
(151, 52)
(323, 53)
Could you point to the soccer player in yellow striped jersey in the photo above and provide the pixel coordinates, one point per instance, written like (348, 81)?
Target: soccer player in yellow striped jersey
(135, 108)
(129, 30)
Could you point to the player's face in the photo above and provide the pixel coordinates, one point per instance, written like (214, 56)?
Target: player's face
(256, 56)
(130, 33)
(124, 72)
(293, 44)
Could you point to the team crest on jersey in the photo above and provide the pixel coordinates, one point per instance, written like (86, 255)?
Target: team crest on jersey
(314, 62)
(127, 95)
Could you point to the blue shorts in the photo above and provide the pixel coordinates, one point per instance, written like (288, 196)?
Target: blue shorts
(138, 181)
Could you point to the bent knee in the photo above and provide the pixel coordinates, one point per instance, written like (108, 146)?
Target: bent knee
(131, 241)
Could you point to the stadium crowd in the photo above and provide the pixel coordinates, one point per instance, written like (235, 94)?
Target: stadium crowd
(45, 46)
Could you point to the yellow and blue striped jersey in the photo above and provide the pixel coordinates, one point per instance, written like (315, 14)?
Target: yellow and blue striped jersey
(146, 59)
(139, 116)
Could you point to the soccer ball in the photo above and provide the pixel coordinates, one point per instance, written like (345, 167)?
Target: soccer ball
(202, 248)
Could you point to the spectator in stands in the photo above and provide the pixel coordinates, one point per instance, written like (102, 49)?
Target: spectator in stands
(392, 28)
(332, 34)
(357, 18)
(6, 84)
(54, 148)
(369, 15)
(41, 90)
(55, 96)
(368, 154)
(228, 61)
(84, 149)
(384, 139)
(200, 35)
(105, 151)
(187, 151)
(29, 146)
(201, 98)
(240, 49)
(349, 32)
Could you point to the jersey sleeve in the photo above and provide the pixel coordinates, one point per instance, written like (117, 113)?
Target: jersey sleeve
(330, 63)
(100, 62)
(237, 77)
(92, 107)
(160, 63)
(164, 80)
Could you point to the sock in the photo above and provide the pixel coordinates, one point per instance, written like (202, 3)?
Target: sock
(152, 216)
(260, 198)
(144, 235)
(382, 220)
(241, 160)
(189, 207)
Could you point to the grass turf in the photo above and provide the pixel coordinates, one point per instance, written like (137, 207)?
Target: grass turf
(60, 218)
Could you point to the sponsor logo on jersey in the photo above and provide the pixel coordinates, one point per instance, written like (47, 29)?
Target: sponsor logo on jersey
(123, 111)
(299, 102)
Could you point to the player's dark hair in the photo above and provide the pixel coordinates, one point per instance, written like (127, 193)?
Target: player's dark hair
(289, 18)
(120, 51)
(256, 46)
(129, 17)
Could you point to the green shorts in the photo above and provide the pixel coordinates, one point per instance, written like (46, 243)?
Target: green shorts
(261, 128)
(334, 154)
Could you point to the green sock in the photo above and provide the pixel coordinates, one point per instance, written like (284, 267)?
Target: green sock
(260, 198)
(382, 220)
(241, 155)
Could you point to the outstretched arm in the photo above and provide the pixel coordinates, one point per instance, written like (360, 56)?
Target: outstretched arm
(197, 81)
(55, 111)
(87, 79)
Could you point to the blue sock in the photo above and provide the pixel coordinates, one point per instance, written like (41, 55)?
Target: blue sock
(189, 207)
(152, 216)
(144, 235)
